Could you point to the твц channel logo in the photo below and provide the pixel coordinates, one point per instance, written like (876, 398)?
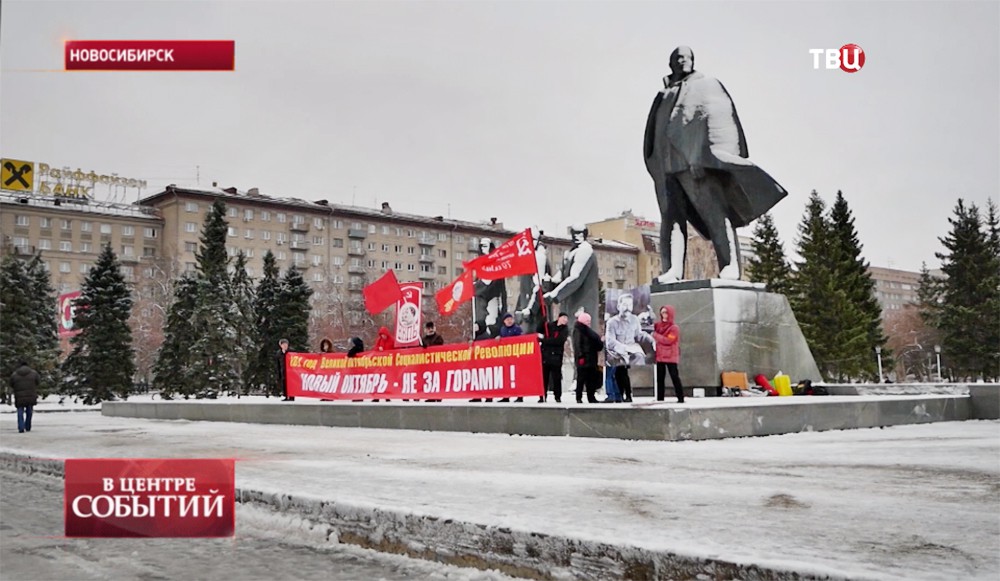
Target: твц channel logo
(848, 58)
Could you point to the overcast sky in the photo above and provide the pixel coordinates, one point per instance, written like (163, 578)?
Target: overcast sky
(532, 112)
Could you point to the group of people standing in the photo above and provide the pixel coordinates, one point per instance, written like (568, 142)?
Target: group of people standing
(620, 344)
(622, 350)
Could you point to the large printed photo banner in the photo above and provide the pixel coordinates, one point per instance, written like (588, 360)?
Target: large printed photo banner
(510, 367)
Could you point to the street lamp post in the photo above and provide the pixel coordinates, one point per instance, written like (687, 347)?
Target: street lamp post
(878, 354)
(937, 351)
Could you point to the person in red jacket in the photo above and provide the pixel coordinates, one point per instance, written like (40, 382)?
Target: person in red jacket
(385, 341)
(667, 335)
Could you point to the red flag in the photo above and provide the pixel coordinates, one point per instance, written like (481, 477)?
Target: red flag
(513, 257)
(383, 293)
(456, 293)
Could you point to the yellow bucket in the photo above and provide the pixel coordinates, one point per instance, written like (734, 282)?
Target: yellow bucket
(783, 384)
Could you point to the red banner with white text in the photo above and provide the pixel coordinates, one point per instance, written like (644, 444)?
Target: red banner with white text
(509, 367)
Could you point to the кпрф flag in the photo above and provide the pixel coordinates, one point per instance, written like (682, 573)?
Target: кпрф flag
(383, 293)
(459, 291)
(512, 258)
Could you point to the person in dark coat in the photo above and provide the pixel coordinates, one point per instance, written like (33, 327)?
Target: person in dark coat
(24, 384)
(587, 345)
(357, 346)
(431, 337)
(553, 335)
(509, 329)
(279, 361)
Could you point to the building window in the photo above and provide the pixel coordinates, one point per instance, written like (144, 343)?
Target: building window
(410, 233)
(317, 277)
(247, 214)
(372, 246)
(190, 247)
(372, 229)
(128, 250)
(281, 255)
(443, 253)
(84, 268)
(265, 234)
(459, 255)
(45, 222)
(318, 223)
(411, 250)
(65, 246)
(128, 231)
(356, 226)
(85, 247)
(66, 225)
(442, 236)
(385, 248)
(317, 259)
(338, 279)
(338, 242)
(318, 241)
(442, 270)
(149, 232)
(337, 261)
(86, 227)
(372, 264)
(425, 268)
(20, 241)
(265, 215)
(44, 244)
(148, 252)
(105, 228)
(410, 268)
(189, 267)
(231, 251)
(296, 219)
(232, 232)
(339, 224)
(64, 267)
(282, 237)
(248, 234)
(385, 265)
(398, 266)
(128, 272)
(397, 249)
(248, 252)
(190, 227)
(281, 217)
(191, 206)
(385, 230)
(232, 212)
(459, 270)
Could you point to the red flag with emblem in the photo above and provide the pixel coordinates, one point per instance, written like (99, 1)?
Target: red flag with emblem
(459, 291)
(512, 258)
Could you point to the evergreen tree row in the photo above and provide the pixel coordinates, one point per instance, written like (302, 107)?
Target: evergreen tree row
(222, 333)
(829, 289)
(28, 328)
(833, 298)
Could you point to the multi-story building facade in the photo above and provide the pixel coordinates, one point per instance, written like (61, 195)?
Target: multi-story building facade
(644, 234)
(342, 247)
(69, 236)
(895, 289)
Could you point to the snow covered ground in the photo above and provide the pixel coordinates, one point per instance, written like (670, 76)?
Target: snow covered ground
(907, 502)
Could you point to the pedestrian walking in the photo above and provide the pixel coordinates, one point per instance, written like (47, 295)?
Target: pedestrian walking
(24, 384)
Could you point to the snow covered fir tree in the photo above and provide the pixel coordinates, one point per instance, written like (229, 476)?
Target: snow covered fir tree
(27, 328)
(101, 365)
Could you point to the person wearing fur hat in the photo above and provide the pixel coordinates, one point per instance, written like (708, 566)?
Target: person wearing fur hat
(587, 345)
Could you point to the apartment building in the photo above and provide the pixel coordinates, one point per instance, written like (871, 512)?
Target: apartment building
(895, 288)
(341, 248)
(644, 234)
(69, 234)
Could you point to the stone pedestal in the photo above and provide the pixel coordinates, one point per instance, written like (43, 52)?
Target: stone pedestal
(735, 326)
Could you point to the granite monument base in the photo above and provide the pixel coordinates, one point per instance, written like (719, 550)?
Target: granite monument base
(734, 326)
